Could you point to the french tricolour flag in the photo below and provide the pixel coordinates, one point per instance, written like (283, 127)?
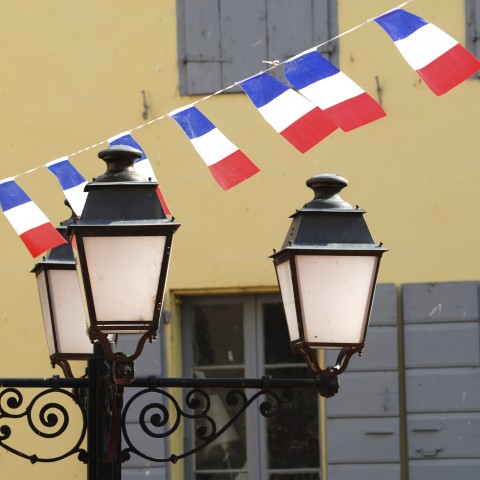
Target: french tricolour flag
(293, 116)
(30, 223)
(439, 59)
(228, 165)
(71, 181)
(347, 104)
(142, 165)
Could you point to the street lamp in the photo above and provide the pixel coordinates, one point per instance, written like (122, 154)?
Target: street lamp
(122, 245)
(61, 303)
(326, 270)
(62, 307)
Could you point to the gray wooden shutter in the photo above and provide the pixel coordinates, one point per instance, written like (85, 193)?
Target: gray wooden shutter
(297, 25)
(244, 41)
(219, 43)
(325, 16)
(442, 373)
(199, 46)
(472, 12)
(294, 26)
(225, 41)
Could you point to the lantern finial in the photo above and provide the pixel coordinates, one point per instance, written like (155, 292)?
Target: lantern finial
(120, 160)
(327, 189)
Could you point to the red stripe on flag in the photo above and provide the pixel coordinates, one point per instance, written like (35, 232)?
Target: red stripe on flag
(309, 130)
(41, 238)
(449, 70)
(233, 170)
(163, 203)
(355, 112)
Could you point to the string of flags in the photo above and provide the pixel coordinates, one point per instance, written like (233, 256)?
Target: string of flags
(319, 100)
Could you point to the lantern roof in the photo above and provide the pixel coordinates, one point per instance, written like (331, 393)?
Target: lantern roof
(121, 196)
(328, 221)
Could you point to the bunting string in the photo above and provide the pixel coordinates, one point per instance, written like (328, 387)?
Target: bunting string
(275, 64)
(321, 99)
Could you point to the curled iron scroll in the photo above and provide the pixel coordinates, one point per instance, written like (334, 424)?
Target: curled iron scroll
(48, 416)
(163, 415)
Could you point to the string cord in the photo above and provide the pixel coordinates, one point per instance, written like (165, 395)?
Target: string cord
(274, 64)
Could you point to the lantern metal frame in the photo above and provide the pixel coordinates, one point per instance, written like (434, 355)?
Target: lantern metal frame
(99, 330)
(326, 226)
(58, 258)
(121, 203)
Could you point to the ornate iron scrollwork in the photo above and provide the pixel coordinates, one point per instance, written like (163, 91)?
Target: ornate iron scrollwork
(58, 413)
(161, 418)
(45, 417)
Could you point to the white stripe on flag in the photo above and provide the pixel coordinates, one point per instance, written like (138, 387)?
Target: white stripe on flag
(144, 167)
(332, 90)
(77, 198)
(425, 45)
(213, 146)
(26, 217)
(286, 109)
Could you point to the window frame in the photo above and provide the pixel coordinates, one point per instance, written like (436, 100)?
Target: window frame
(256, 426)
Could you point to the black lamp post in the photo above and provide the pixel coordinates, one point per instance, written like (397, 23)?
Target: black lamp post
(327, 271)
(121, 248)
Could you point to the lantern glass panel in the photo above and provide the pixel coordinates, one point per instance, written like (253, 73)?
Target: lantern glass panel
(46, 313)
(124, 275)
(69, 315)
(284, 275)
(335, 296)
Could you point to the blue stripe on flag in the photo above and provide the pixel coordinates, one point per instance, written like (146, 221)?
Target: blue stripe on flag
(67, 174)
(263, 88)
(400, 24)
(193, 122)
(11, 195)
(129, 140)
(307, 69)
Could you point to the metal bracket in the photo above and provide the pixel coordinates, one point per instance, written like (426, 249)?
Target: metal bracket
(102, 397)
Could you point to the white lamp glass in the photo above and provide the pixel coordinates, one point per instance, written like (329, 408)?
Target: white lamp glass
(68, 313)
(284, 275)
(124, 273)
(335, 295)
(46, 313)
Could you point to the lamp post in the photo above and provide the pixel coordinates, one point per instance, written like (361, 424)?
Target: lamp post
(121, 249)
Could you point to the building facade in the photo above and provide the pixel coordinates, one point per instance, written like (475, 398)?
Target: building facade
(75, 75)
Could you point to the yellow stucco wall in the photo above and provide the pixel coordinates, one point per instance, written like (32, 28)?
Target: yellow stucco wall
(72, 75)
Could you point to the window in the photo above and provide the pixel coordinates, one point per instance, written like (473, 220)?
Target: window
(224, 41)
(246, 336)
(472, 10)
